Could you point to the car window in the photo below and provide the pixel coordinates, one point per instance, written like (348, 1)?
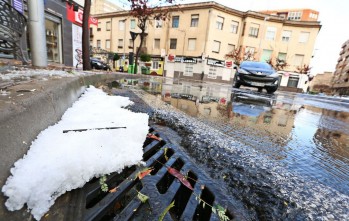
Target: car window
(259, 65)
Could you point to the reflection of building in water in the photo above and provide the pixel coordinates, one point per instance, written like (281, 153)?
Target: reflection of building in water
(334, 137)
(197, 99)
(335, 142)
(273, 118)
(187, 106)
(198, 93)
(153, 86)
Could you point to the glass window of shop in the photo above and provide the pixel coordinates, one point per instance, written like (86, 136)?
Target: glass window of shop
(53, 41)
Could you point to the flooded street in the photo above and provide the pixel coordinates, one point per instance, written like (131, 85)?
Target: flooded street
(297, 146)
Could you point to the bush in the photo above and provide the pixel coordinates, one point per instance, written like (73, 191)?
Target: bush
(116, 57)
(145, 57)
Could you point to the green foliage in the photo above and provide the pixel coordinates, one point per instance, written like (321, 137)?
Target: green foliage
(165, 152)
(145, 57)
(143, 198)
(166, 210)
(104, 186)
(221, 213)
(116, 57)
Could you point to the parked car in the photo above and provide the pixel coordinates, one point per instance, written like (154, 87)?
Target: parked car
(99, 65)
(256, 74)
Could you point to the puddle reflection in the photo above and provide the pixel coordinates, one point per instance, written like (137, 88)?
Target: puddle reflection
(309, 140)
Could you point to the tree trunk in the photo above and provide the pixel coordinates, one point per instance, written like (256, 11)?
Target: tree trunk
(86, 37)
(138, 51)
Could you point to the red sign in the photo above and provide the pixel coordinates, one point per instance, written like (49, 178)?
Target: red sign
(76, 17)
(171, 57)
(228, 64)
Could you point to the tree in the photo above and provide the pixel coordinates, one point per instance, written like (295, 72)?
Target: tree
(278, 65)
(305, 69)
(115, 58)
(145, 57)
(144, 12)
(237, 56)
(86, 37)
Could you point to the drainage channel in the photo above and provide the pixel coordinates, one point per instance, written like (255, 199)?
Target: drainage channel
(162, 188)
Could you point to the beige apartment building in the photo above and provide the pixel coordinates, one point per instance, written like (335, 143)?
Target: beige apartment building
(103, 6)
(194, 41)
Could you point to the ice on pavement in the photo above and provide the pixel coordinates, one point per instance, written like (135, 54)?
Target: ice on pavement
(58, 162)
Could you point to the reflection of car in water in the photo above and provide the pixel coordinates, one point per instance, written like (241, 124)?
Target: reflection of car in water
(256, 74)
(251, 104)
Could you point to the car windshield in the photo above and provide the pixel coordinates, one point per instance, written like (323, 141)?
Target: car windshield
(256, 65)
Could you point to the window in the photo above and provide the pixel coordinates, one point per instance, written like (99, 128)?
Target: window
(216, 46)
(175, 21)
(107, 44)
(313, 15)
(282, 56)
(194, 21)
(191, 44)
(157, 43)
(130, 43)
(286, 36)
(212, 72)
(155, 65)
(98, 43)
(292, 82)
(270, 35)
(230, 48)
(266, 55)
(107, 25)
(120, 43)
(99, 25)
(173, 43)
(294, 16)
(188, 69)
(303, 37)
(219, 23)
(158, 23)
(234, 27)
(122, 25)
(254, 29)
(298, 60)
(133, 24)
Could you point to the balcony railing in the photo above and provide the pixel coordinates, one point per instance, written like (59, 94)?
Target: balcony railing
(12, 26)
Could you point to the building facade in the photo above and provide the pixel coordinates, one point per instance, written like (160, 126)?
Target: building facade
(103, 6)
(295, 14)
(322, 83)
(194, 42)
(340, 79)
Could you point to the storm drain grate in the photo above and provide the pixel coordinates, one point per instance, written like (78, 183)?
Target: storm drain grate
(161, 187)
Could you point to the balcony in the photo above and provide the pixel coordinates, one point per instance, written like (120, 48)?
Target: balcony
(12, 27)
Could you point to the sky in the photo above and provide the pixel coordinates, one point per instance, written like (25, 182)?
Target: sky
(65, 164)
(334, 18)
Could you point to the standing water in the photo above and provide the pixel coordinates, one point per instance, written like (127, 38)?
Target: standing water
(297, 148)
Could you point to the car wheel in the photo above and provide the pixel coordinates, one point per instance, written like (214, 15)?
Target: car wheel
(271, 90)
